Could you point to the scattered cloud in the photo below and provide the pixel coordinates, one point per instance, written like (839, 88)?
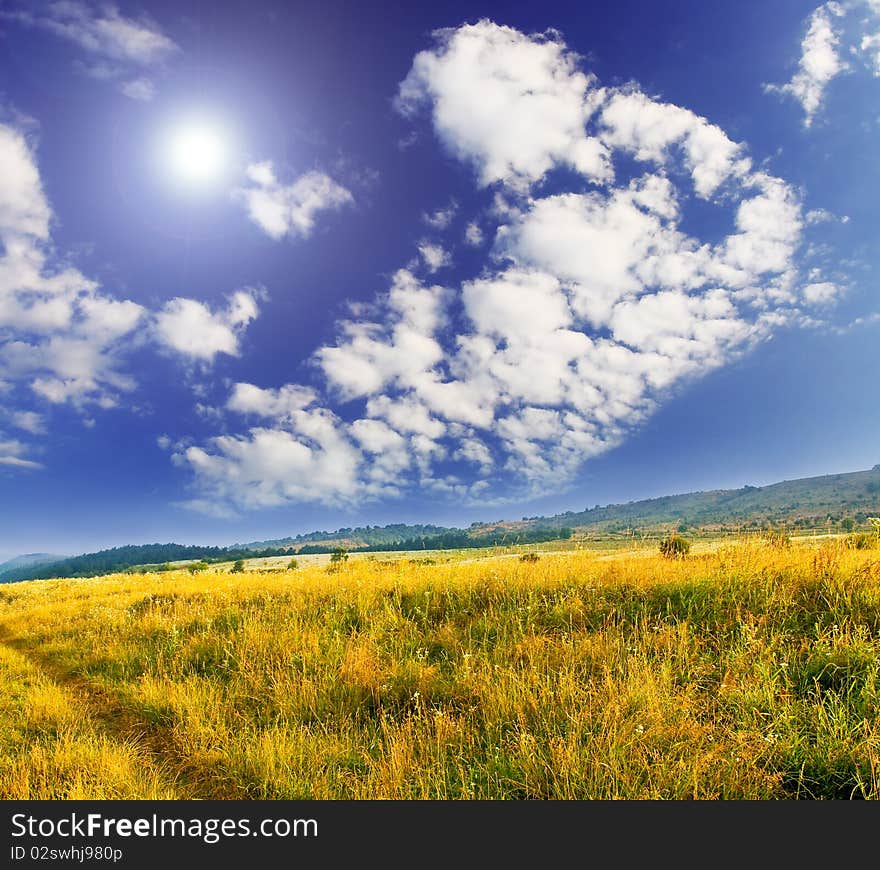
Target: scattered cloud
(63, 340)
(57, 331)
(434, 256)
(822, 215)
(473, 235)
(308, 461)
(442, 217)
(821, 293)
(114, 44)
(141, 89)
(833, 30)
(592, 305)
(820, 61)
(193, 330)
(12, 454)
(289, 209)
(29, 421)
(512, 105)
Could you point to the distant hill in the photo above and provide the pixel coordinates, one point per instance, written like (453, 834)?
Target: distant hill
(28, 560)
(362, 536)
(834, 501)
(123, 558)
(809, 502)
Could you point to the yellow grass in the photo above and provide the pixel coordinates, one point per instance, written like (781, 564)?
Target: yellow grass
(742, 671)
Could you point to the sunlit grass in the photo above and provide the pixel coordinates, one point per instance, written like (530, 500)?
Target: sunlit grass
(741, 671)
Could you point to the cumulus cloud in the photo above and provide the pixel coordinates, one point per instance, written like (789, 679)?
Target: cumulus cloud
(307, 458)
(833, 31)
(442, 217)
(473, 235)
(821, 292)
(654, 131)
(57, 331)
(114, 44)
(193, 330)
(289, 209)
(434, 256)
(63, 340)
(373, 355)
(512, 105)
(592, 305)
(820, 61)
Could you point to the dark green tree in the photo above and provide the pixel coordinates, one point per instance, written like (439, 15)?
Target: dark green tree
(674, 546)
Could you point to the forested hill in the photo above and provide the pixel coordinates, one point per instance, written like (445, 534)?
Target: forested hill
(362, 536)
(808, 502)
(122, 558)
(160, 556)
(28, 560)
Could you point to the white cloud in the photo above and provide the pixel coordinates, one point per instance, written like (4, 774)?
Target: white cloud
(57, 331)
(24, 210)
(870, 45)
(822, 215)
(312, 461)
(372, 356)
(516, 306)
(190, 327)
(62, 339)
(17, 462)
(29, 421)
(442, 217)
(141, 89)
(511, 104)
(281, 210)
(590, 308)
(821, 293)
(434, 256)
(820, 61)
(473, 235)
(650, 130)
(278, 405)
(114, 44)
(12, 455)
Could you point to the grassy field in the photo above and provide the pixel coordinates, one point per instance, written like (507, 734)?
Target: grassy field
(741, 671)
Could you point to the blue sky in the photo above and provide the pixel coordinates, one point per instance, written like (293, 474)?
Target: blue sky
(276, 267)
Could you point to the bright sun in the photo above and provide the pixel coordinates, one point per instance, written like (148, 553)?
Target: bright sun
(197, 153)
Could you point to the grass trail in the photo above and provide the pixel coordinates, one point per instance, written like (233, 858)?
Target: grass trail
(62, 739)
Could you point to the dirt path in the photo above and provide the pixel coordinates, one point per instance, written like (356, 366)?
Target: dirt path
(150, 744)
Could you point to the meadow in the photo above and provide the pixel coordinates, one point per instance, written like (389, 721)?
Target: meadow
(747, 669)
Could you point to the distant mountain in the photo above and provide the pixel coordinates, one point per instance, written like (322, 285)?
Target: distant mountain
(362, 536)
(28, 560)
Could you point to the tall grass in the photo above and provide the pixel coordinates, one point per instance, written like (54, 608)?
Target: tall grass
(747, 672)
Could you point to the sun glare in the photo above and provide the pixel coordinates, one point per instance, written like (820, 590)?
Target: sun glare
(197, 153)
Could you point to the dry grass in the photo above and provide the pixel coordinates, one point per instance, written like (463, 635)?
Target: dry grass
(749, 671)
